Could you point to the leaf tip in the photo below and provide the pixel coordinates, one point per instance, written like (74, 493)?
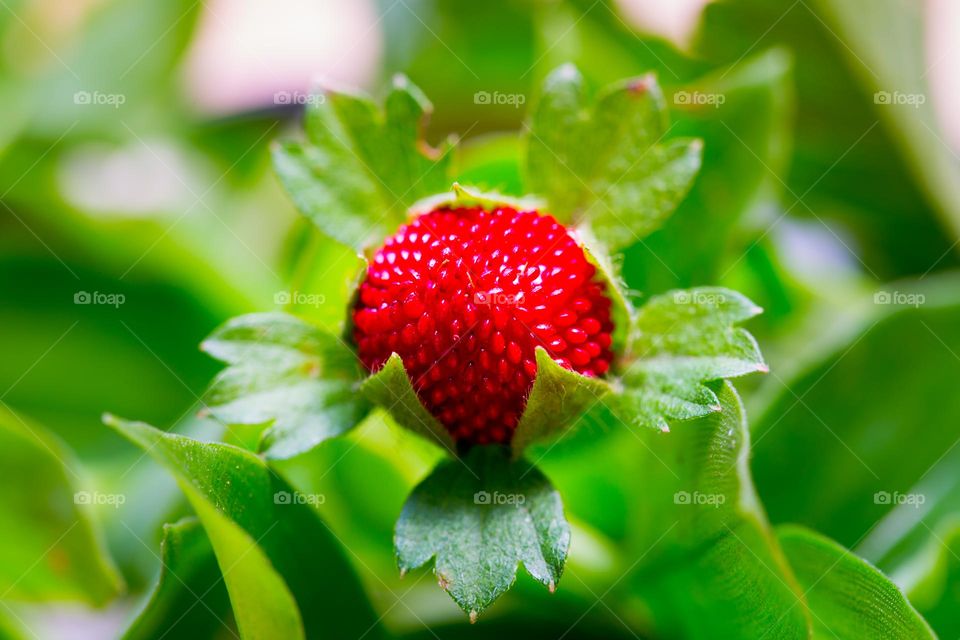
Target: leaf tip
(401, 84)
(763, 367)
(642, 84)
(566, 72)
(552, 587)
(443, 581)
(473, 617)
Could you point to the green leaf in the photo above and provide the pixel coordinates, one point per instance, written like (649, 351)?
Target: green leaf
(480, 517)
(218, 485)
(915, 124)
(917, 543)
(361, 167)
(711, 567)
(52, 549)
(59, 391)
(747, 143)
(639, 200)
(271, 546)
(919, 520)
(877, 170)
(557, 138)
(604, 41)
(559, 398)
(683, 339)
(608, 163)
(190, 599)
(390, 388)
(896, 510)
(937, 593)
(283, 371)
(848, 598)
(895, 351)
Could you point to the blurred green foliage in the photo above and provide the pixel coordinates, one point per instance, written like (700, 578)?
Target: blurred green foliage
(860, 401)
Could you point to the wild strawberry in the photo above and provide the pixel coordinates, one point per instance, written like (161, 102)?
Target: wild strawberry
(464, 296)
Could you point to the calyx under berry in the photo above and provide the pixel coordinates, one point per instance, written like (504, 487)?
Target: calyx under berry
(464, 295)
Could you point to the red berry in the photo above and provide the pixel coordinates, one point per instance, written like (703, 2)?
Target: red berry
(464, 296)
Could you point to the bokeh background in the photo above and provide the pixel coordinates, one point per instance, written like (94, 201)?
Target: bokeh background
(138, 211)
